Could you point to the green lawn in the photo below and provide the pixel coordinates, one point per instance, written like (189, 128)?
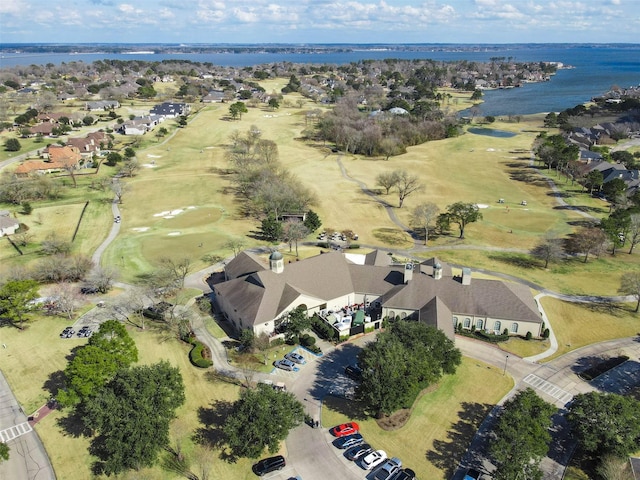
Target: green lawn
(577, 325)
(442, 422)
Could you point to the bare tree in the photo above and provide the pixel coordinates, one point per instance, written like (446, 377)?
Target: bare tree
(630, 285)
(236, 245)
(129, 168)
(423, 216)
(387, 180)
(549, 250)
(634, 231)
(67, 298)
(588, 240)
(102, 278)
(293, 231)
(119, 189)
(406, 185)
(177, 269)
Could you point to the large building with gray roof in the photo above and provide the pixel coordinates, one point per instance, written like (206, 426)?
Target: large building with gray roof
(258, 295)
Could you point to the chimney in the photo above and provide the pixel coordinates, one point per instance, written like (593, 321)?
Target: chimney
(408, 272)
(466, 276)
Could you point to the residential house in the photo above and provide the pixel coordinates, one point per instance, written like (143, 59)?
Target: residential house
(258, 296)
(89, 145)
(57, 158)
(102, 105)
(214, 96)
(8, 225)
(170, 109)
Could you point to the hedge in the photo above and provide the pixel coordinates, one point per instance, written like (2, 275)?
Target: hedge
(195, 355)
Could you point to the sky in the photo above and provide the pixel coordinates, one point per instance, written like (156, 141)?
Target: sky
(319, 21)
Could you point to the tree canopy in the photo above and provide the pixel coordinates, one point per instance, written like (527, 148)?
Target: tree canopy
(16, 297)
(522, 436)
(131, 416)
(261, 418)
(605, 423)
(109, 350)
(463, 214)
(405, 359)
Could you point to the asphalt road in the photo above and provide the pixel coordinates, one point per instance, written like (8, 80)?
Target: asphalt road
(28, 459)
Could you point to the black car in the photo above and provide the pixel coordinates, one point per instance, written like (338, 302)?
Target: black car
(88, 290)
(84, 332)
(67, 332)
(270, 464)
(404, 474)
(359, 450)
(353, 372)
(349, 441)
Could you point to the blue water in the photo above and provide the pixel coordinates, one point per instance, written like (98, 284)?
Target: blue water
(597, 69)
(491, 132)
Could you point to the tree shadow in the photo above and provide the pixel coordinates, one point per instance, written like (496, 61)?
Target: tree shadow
(516, 260)
(55, 382)
(447, 454)
(73, 424)
(332, 384)
(211, 433)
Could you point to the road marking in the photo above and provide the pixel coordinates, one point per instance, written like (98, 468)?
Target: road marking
(13, 432)
(548, 388)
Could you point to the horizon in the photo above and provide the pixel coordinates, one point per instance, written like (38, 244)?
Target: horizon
(320, 22)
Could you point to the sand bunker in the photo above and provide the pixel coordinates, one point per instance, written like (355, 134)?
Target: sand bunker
(482, 205)
(169, 213)
(140, 229)
(174, 234)
(149, 165)
(153, 156)
(491, 149)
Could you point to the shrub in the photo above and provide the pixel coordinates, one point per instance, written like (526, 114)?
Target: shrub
(277, 342)
(204, 304)
(315, 349)
(293, 340)
(528, 336)
(546, 333)
(354, 246)
(323, 329)
(505, 331)
(26, 208)
(369, 329)
(196, 358)
(307, 340)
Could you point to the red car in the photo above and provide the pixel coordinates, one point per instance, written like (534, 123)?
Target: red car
(345, 429)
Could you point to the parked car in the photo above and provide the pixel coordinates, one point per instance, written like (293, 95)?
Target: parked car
(67, 332)
(345, 429)
(285, 364)
(295, 358)
(271, 464)
(472, 474)
(84, 332)
(358, 451)
(88, 290)
(404, 474)
(353, 372)
(349, 441)
(389, 467)
(373, 459)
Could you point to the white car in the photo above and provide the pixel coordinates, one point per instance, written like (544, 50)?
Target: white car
(373, 459)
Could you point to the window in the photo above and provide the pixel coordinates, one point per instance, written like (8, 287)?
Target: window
(455, 322)
(479, 324)
(392, 315)
(403, 315)
(497, 325)
(467, 323)
(514, 328)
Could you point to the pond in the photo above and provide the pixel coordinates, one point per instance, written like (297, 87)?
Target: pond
(491, 132)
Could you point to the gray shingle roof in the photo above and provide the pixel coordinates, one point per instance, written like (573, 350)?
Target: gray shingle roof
(260, 295)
